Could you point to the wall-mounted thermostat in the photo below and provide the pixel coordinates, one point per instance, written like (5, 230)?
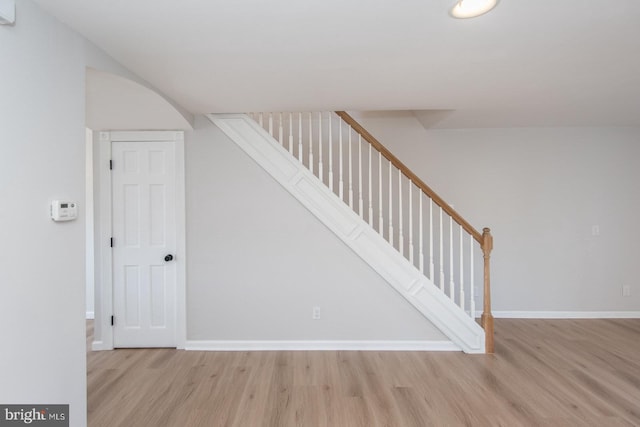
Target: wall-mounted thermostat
(63, 211)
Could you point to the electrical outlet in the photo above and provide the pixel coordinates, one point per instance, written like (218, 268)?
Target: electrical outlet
(595, 230)
(316, 313)
(626, 291)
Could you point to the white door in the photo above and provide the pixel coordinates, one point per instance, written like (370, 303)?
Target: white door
(144, 244)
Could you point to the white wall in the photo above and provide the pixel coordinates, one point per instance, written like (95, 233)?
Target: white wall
(115, 102)
(98, 59)
(541, 191)
(258, 261)
(42, 297)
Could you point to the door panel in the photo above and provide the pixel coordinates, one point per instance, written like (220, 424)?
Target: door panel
(144, 231)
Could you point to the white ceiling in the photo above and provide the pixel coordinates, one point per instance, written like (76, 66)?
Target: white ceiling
(527, 63)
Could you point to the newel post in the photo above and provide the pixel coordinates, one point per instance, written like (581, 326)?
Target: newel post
(487, 317)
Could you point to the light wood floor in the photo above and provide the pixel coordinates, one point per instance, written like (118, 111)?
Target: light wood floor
(544, 373)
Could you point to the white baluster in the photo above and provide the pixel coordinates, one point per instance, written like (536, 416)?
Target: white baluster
(300, 150)
(280, 130)
(271, 124)
(320, 166)
(452, 287)
(290, 133)
(310, 143)
(441, 253)
(420, 233)
(261, 120)
(410, 222)
(330, 152)
(431, 266)
(390, 204)
(461, 285)
(472, 297)
(360, 202)
(400, 234)
(370, 191)
(350, 172)
(340, 172)
(380, 220)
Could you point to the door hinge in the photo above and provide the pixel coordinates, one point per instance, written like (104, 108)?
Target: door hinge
(110, 164)
(111, 242)
(112, 320)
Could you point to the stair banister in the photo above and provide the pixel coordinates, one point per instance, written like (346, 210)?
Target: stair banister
(485, 239)
(455, 293)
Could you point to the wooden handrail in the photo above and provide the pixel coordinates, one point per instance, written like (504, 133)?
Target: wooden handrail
(409, 174)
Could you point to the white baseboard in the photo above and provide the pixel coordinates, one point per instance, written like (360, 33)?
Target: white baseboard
(98, 346)
(566, 314)
(90, 315)
(321, 346)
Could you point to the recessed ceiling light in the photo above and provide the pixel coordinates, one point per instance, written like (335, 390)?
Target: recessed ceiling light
(472, 8)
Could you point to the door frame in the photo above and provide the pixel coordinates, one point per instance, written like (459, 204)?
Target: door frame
(103, 331)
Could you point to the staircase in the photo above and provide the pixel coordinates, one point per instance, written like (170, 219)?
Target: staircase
(410, 236)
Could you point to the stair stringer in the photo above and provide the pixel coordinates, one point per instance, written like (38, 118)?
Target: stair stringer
(404, 277)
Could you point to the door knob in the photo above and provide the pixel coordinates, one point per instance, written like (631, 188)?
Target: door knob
(168, 258)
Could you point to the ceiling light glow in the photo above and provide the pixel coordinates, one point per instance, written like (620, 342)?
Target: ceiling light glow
(472, 8)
